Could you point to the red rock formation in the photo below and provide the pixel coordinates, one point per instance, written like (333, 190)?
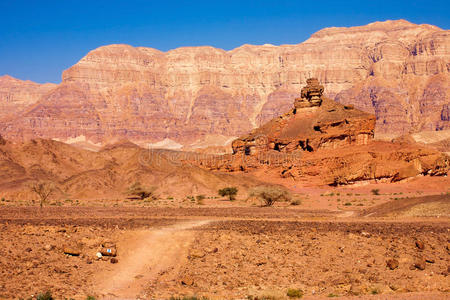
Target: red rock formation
(322, 141)
(399, 71)
(314, 123)
(16, 94)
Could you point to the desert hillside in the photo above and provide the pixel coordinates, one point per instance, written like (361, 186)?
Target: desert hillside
(395, 69)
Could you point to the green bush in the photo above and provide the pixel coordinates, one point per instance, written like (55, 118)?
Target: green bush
(229, 192)
(294, 293)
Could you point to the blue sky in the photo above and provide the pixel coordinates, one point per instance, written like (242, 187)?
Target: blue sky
(39, 39)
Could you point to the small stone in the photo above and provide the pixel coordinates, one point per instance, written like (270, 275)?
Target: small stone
(48, 247)
(420, 245)
(109, 244)
(98, 255)
(211, 250)
(108, 251)
(446, 272)
(28, 249)
(114, 260)
(392, 264)
(196, 254)
(74, 250)
(366, 234)
(187, 280)
(420, 264)
(261, 262)
(430, 261)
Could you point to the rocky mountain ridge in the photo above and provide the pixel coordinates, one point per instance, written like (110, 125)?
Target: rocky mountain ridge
(395, 69)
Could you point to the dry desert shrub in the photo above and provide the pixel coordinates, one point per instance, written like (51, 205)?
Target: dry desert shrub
(294, 293)
(43, 189)
(200, 199)
(296, 202)
(270, 194)
(375, 192)
(230, 192)
(142, 192)
(45, 296)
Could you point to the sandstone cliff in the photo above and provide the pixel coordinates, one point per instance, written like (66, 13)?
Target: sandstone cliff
(395, 69)
(17, 94)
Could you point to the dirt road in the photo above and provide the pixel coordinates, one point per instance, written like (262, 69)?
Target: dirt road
(146, 254)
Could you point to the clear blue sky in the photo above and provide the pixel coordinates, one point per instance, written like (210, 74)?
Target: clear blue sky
(39, 39)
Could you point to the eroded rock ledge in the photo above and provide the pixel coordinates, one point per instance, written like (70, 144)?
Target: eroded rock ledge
(314, 123)
(320, 141)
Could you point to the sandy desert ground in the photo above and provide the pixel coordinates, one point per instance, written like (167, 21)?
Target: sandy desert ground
(395, 249)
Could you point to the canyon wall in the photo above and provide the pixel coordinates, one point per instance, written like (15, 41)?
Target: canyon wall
(15, 94)
(395, 69)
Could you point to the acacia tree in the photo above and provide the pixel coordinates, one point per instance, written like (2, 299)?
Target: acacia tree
(43, 189)
(229, 191)
(270, 194)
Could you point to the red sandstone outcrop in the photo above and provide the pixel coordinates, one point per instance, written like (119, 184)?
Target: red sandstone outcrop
(376, 161)
(314, 123)
(325, 142)
(395, 69)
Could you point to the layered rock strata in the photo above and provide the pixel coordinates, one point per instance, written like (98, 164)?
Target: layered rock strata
(397, 70)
